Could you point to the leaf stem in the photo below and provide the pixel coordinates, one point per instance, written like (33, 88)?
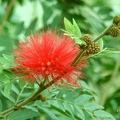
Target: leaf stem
(78, 58)
(103, 33)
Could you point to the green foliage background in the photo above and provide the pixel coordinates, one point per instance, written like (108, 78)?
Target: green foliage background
(19, 18)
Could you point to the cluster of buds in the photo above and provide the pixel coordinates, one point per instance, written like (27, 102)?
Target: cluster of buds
(91, 47)
(115, 29)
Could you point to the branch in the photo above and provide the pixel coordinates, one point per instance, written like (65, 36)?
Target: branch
(30, 99)
(103, 33)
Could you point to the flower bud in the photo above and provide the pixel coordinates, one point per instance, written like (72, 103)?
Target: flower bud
(93, 48)
(87, 38)
(119, 25)
(116, 19)
(43, 98)
(114, 31)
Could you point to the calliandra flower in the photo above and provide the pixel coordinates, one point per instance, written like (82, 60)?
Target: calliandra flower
(48, 56)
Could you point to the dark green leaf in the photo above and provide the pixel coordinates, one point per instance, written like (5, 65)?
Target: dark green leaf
(48, 112)
(59, 110)
(6, 44)
(68, 108)
(31, 27)
(8, 97)
(22, 83)
(4, 77)
(0, 105)
(7, 88)
(22, 114)
(79, 112)
(19, 28)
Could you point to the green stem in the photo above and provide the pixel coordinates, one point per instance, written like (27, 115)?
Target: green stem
(20, 94)
(78, 58)
(103, 33)
(30, 99)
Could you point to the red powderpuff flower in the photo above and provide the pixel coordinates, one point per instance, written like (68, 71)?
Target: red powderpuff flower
(47, 55)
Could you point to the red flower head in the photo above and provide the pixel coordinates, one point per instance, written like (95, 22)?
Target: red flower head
(47, 55)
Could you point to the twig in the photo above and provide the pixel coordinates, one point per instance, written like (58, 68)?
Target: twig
(103, 33)
(30, 99)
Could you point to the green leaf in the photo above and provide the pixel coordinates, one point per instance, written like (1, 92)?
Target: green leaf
(61, 106)
(19, 28)
(80, 112)
(6, 44)
(77, 32)
(15, 89)
(22, 83)
(7, 88)
(103, 114)
(91, 115)
(68, 25)
(9, 58)
(101, 43)
(31, 27)
(8, 97)
(0, 105)
(85, 85)
(59, 110)
(82, 99)
(68, 108)
(73, 95)
(48, 112)
(22, 114)
(4, 77)
(93, 106)
(31, 108)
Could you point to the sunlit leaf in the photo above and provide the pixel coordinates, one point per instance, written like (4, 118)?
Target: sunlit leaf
(68, 25)
(82, 99)
(103, 114)
(93, 106)
(77, 29)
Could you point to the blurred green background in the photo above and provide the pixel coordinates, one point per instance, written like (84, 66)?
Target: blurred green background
(19, 18)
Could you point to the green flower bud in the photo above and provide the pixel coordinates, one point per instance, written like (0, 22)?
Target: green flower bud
(43, 98)
(93, 48)
(116, 19)
(114, 31)
(87, 38)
